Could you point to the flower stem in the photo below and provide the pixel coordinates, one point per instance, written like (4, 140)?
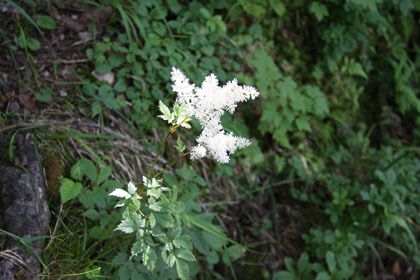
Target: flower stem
(159, 152)
(173, 129)
(172, 164)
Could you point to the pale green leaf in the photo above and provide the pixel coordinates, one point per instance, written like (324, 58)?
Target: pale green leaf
(167, 115)
(185, 254)
(120, 193)
(182, 269)
(127, 226)
(184, 241)
(138, 247)
(356, 69)
(180, 145)
(150, 258)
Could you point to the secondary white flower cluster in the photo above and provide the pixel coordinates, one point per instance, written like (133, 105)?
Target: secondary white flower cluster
(207, 104)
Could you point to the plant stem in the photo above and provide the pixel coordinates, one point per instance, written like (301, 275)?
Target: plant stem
(171, 131)
(172, 164)
(158, 153)
(178, 125)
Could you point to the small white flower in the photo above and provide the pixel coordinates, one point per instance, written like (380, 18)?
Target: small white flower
(207, 104)
(198, 152)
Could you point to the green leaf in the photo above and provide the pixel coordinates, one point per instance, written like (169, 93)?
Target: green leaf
(150, 258)
(167, 115)
(120, 86)
(91, 214)
(69, 190)
(184, 241)
(138, 247)
(185, 254)
(96, 108)
(83, 167)
(159, 12)
(323, 276)
(303, 265)
(180, 145)
(302, 123)
(127, 226)
(44, 96)
(165, 219)
(33, 44)
(356, 69)
(182, 269)
(319, 10)
(104, 174)
(284, 275)
(278, 7)
(330, 258)
(86, 199)
(45, 22)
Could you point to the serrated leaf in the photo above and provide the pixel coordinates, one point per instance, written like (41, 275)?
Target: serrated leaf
(167, 115)
(104, 174)
(185, 254)
(120, 193)
(171, 259)
(180, 145)
(69, 190)
(96, 108)
(83, 167)
(91, 214)
(165, 219)
(150, 258)
(318, 10)
(138, 247)
(278, 7)
(302, 123)
(132, 189)
(357, 69)
(180, 120)
(182, 268)
(86, 199)
(127, 226)
(183, 241)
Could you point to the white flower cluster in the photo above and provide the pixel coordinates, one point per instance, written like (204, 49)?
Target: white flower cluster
(207, 104)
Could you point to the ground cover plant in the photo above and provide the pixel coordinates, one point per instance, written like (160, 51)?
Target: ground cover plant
(326, 187)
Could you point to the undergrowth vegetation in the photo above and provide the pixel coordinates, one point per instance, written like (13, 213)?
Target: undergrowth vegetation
(329, 189)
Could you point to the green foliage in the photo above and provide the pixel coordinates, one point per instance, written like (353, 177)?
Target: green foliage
(45, 22)
(337, 125)
(287, 106)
